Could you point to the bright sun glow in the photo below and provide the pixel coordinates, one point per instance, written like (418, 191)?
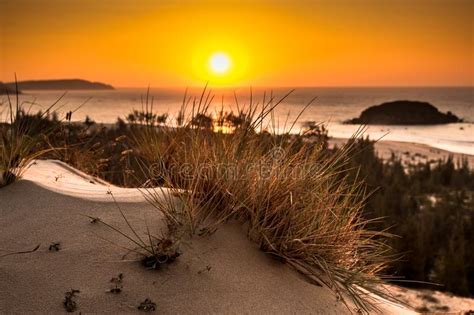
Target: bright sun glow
(220, 63)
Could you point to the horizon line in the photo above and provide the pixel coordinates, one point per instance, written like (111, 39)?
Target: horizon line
(260, 86)
(289, 86)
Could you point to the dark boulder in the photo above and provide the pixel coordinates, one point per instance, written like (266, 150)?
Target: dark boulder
(404, 113)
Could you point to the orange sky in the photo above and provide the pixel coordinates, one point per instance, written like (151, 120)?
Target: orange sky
(131, 43)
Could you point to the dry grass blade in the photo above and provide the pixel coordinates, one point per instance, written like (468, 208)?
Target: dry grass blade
(10, 252)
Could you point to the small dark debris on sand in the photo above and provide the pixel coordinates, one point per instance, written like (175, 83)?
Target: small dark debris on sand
(117, 284)
(147, 306)
(95, 220)
(208, 268)
(428, 298)
(54, 246)
(442, 308)
(165, 252)
(69, 304)
(155, 261)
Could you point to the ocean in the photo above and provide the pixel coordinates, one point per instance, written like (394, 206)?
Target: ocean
(331, 107)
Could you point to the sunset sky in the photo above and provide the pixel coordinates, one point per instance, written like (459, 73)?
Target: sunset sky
(133, 43)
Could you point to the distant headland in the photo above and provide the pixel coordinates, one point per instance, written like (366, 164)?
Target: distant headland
(4, 89)
(404, 113)
(62, 84)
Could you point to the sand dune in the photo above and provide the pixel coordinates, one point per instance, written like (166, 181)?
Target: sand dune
(222, 273)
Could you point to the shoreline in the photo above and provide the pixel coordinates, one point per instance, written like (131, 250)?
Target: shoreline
(410, 152)
(383, 147)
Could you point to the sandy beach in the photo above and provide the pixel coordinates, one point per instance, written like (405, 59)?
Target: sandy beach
(410, 152)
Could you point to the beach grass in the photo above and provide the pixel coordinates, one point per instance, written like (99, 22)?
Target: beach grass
(295, 199)
(22, 137)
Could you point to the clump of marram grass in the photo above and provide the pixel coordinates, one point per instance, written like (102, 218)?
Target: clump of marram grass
(21, 138)
(296, 199)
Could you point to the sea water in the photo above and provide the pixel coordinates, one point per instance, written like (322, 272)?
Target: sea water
(332, 107)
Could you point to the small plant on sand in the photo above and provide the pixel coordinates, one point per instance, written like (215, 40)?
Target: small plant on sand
(297, 200)
(154, 251)
(165, 252)
(147, 306)
(69, 302)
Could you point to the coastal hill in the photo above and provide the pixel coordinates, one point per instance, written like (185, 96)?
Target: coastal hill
(4, 89)
(63, 84)
(404, 113)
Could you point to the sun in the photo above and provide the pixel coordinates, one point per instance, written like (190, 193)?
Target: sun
(220, 63)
